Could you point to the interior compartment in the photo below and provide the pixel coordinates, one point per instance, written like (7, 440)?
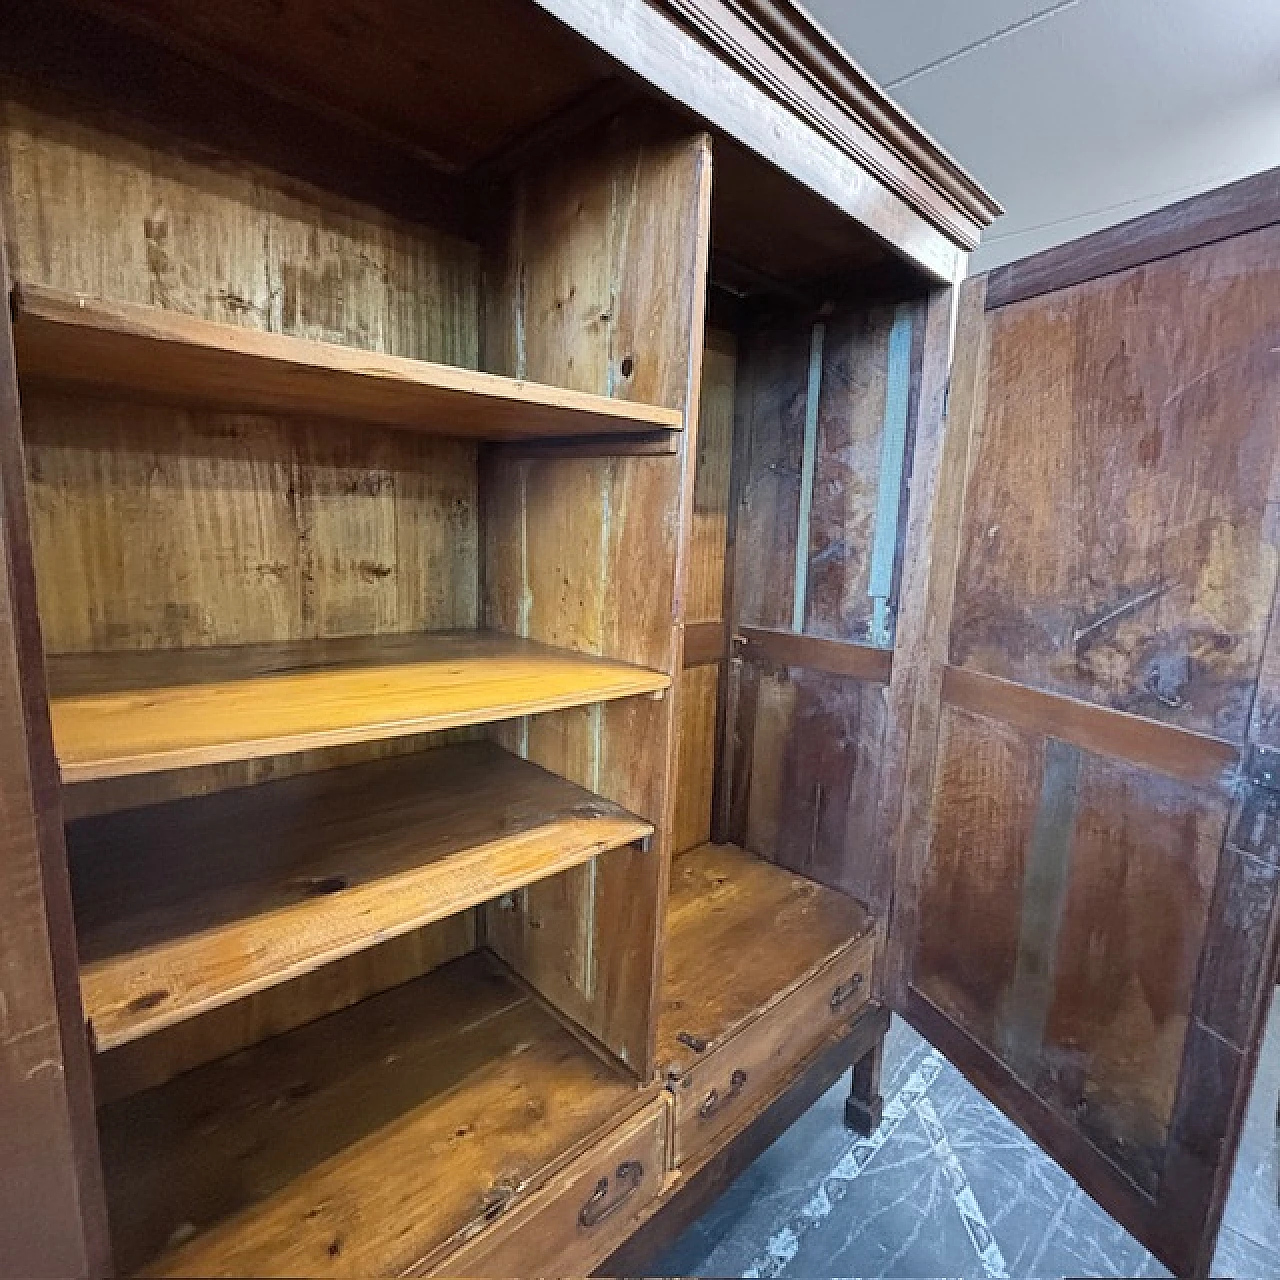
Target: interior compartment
(358, 472)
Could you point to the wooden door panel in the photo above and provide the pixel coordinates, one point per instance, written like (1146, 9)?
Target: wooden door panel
(1086, 915)
(1116, 544)
(1063, 911)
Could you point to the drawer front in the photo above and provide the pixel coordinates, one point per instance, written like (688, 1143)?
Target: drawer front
(580, 1217)
(717, 1095)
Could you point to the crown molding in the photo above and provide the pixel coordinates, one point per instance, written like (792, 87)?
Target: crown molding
(786, 54)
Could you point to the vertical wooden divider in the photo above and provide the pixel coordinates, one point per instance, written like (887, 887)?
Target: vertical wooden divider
(586, 552)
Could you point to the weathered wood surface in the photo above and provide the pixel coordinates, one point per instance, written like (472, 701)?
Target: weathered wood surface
(705, 638)
(113, 347)
(52, 1212)
(1116, 545)
(361, 1144)
(718, 977)
(809, 715)
(1073, 905)
(164, 1055)
(376, 68)
(604, 282)
(1221, 214)
(185, 907)
(117, 714)
(155, 527)
(806, 772)
(613, 1186)
(695, 757)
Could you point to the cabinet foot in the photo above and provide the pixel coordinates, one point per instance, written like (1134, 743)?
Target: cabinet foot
(864, 1106)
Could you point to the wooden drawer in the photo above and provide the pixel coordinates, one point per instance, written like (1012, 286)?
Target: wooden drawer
(737, 1079)
(569, 1226)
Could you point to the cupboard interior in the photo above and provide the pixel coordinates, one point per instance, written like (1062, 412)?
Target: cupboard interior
(361, 702)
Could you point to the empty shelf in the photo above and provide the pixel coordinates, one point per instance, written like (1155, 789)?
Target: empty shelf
(124, 347)
(362, 1144)
(187, 906)
(116, 714)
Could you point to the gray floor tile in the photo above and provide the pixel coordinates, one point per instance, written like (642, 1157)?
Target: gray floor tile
(1245, 1259)
(950, 1187)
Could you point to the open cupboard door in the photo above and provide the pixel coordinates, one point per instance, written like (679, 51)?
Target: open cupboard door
(1085, 910)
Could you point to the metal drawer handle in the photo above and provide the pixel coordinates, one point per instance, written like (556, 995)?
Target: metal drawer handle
(599, 1206)
(846, 991)
(713, 1102)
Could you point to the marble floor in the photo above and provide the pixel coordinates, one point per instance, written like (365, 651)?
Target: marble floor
(949, 1187)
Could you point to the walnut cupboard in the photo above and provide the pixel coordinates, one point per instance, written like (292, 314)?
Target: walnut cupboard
(537, 610)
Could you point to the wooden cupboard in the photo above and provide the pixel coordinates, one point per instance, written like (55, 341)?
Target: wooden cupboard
(520, 647)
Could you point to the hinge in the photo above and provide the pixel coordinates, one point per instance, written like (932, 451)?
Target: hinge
(1264, 768)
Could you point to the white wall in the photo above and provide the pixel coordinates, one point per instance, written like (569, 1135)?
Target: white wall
(1078, 114)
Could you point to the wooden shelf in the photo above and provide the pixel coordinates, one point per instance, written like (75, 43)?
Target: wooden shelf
(123, 347)
(361, 1144)
(723, 901)
(116, 714)
(187, 906)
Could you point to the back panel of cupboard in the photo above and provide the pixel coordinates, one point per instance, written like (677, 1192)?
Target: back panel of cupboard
(159, 526)
(808, 698)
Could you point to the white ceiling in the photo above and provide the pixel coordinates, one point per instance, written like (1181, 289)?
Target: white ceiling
(1077, 114)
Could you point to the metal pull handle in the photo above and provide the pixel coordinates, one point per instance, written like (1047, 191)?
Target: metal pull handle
(629, 1176)
(713, 1102)
(846, 991)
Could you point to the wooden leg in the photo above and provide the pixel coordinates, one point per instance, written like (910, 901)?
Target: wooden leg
(864, 1106)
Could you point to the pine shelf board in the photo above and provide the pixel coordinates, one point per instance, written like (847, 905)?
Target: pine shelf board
(128, 348)
(124, 713)
(723, 900)
(191, 905)
(366, 1143)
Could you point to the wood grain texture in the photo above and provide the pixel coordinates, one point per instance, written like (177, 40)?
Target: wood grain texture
(1221, 214)
(1083, 943)
(1193, 757)
(147, 351)
(940, 478)
(546, 1234)
(695, 757)
(705, 555)
(189, 906)
(164, 1055)
(361, 1144)
(703, 1182)
(159, 527)
(1143, 862)
(125, 713)
(52, 1210)
(969, 901)
(723, 900)
(604, 271)
(1119, 550)
(834, 657)
(408, 80)
(716, 1095)
(775, 368)
(806, 779)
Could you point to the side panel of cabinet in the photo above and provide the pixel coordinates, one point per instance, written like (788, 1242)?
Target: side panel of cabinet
(1087, 910)
(604, 280)
(52, 1210)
